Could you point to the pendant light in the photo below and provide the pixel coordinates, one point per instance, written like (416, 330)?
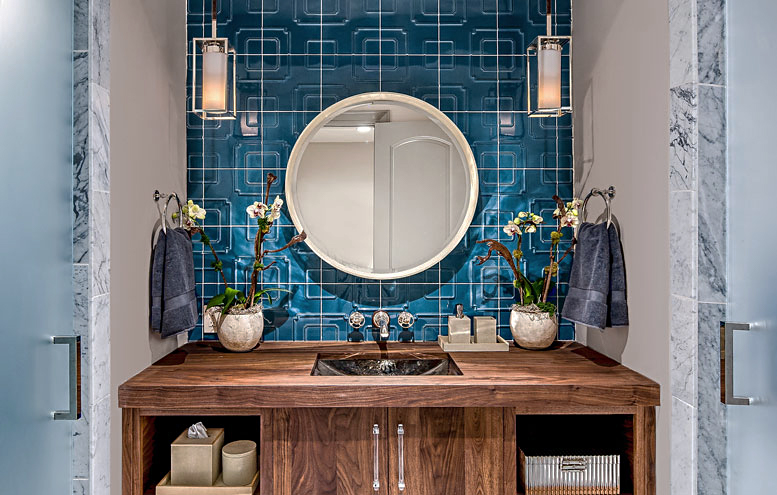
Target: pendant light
(215, 99)
(544, 58)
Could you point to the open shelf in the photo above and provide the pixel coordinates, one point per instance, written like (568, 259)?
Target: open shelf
(578, 435)
(160, 431)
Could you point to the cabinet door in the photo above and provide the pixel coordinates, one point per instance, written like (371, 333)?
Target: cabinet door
(455, 451)
(327, 452)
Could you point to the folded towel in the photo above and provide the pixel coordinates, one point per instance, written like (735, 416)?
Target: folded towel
(173, 299)
(618, 314)
(589, 281)
(157, 280)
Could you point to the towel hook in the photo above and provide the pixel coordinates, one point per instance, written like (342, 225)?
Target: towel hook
(163, 212)
(606, 195)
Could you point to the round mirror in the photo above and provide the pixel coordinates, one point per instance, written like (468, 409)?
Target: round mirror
(384, 184)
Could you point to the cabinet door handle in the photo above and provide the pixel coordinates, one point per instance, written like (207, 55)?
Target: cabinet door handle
(74, 393)
(727, 364)
(376, 465)
(401, 456)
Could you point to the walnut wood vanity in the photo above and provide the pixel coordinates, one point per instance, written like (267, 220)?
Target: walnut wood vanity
(460, 434)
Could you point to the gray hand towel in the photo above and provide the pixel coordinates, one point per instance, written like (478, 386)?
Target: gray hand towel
(157, 280)
(589, 281)
(174, 307)
(618, 308)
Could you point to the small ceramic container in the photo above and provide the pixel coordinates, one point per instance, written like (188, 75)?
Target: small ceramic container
(238, 460)
(485, 330)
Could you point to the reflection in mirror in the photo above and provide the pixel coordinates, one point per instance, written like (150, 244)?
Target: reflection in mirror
(385, 186)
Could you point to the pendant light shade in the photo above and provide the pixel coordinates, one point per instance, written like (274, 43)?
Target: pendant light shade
(213, 76)
(545, 59)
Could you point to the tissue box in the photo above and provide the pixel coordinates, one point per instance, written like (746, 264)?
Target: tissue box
(196, 461)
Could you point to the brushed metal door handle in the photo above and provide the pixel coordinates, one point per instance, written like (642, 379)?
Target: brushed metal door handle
(727, 396)
(401, 456)
(74, 357)
(376, 465)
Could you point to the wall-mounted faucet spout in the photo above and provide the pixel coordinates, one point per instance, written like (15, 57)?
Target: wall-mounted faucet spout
(381, 320)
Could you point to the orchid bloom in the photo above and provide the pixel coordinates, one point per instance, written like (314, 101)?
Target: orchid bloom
(570, 219)
(511, 229)
(275, 209)
(529, 221)
(194, 211)
(256, 210)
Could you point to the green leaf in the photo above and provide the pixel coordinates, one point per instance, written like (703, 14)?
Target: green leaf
(204, 238)
(216, 301)
(231, 296)
(529, 294)
(266, 293)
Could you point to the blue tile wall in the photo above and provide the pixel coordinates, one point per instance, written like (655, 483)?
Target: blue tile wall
(296, 57)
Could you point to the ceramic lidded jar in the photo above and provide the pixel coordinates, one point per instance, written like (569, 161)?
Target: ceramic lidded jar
(238, 460)
(532, 328)
(238, 332)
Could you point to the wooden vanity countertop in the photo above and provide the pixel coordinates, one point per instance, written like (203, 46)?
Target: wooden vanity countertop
(278, 375)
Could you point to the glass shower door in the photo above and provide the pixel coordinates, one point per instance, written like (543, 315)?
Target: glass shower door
(36, 246)
(752, 264)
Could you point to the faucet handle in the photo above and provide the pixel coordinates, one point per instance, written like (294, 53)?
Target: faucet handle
(405, 319)
(356, 320)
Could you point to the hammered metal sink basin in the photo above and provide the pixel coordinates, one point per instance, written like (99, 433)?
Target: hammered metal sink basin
(364, 364)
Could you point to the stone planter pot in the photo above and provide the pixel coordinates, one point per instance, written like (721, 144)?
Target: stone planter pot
(532, 328)
(238, 332)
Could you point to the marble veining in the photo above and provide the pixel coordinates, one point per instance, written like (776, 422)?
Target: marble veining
(711, 40)
(100, 449)
(91, 246)
(683, 349)
(100, 341)
(80, 486)
(683, 144)
(683, 456)
(80, 157)
(711, 429)
(100, 243)
(712, 194)
(80, 431)
(99, 42)
(99, 133)
(682, 62)
(80, 25)
(682, 243)
(697, 166)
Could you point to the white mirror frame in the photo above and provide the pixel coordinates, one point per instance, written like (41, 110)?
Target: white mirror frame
(383, 97)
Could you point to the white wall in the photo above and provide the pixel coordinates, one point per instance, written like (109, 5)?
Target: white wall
(148, 152)
(621, 81)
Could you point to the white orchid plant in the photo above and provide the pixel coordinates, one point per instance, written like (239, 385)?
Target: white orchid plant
(233, 299)
(535, 292)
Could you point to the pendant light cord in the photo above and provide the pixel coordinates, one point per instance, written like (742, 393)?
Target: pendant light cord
(548, 16)
(213, 18)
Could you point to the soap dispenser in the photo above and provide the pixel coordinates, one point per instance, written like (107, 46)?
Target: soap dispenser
(459, 327)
